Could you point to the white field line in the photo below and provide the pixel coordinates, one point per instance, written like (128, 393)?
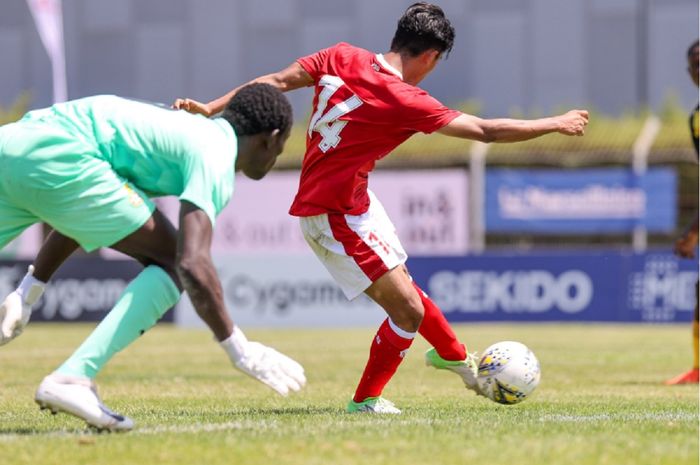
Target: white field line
(369, 421)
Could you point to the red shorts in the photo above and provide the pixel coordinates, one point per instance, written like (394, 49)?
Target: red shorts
(356, 249)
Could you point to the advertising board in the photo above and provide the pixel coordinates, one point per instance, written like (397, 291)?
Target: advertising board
(590, 200)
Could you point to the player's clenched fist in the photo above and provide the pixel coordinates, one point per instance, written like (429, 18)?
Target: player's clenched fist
(573, 122)
(272, 368)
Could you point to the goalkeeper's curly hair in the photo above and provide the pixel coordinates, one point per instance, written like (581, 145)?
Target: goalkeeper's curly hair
(258, 108)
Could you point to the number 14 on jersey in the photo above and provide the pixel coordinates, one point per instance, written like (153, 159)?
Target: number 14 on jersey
(328, 124)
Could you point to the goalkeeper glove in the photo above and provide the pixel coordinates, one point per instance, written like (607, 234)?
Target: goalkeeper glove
(17, 306)
(272, 368)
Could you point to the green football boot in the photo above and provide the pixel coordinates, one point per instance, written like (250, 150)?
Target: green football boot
(373, 405)
(467, 369)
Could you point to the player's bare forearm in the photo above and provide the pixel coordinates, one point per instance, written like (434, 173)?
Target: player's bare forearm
(202, 285)
(291, 78)
(197, 273)
(55, 250)
(515, 130)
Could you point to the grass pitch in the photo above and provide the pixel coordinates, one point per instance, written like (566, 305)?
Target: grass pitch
(601, 401)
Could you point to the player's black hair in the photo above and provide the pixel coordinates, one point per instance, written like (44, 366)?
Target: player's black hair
(691, 49)
(258, 108)
(423, 27)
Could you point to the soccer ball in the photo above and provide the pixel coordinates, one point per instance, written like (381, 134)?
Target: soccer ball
(508, 372)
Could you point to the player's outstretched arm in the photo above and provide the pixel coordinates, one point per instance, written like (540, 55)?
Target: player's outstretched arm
(290, 78)
(571, 123)
(199, 278)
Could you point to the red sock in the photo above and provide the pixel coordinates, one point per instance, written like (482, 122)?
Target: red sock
(385, 355)
(437, 331)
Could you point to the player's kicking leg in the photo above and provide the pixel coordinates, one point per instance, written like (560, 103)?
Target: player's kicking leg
(447, 352)
(409, 308)
(364, 254)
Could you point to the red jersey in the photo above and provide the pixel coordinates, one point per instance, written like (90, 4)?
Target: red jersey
(362, 111)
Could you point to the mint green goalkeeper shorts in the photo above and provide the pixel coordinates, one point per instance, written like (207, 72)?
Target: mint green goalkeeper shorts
(49, 175)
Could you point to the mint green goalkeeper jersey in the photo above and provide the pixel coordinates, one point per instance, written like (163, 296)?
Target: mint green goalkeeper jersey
(88, 166)
(160, 150)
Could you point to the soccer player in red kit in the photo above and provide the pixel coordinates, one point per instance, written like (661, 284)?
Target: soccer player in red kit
(365, 105)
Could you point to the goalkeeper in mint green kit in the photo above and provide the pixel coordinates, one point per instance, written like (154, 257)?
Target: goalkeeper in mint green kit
(88, 168)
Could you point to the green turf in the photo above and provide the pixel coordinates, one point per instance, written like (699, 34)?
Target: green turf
(600, 402)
